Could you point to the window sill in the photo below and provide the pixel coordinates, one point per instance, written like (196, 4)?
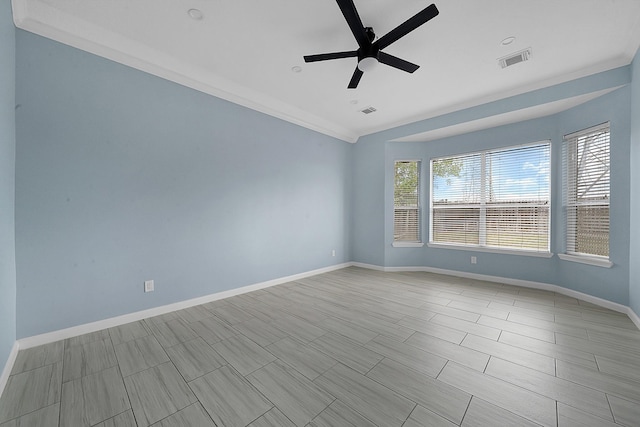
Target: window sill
(491, 250)
(407, 244)
(598, 262)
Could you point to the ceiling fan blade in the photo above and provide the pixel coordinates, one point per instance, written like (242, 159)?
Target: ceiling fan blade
(333, 55)
(396, 62)
(355, 79)
(353, 20)
(407, 26)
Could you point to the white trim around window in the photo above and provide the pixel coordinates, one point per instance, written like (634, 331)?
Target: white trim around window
(407, 244)
(490, 250)
(590, 260)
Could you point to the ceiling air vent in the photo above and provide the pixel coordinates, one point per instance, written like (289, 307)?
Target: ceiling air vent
(515, 58)
(368, 110)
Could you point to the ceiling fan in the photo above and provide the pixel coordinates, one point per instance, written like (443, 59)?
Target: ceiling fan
(369, 51)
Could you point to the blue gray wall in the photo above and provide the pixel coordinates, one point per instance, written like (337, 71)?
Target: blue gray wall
(7, 183)
(376, 156)
(634, 193)
(368, 238)
(123, 177)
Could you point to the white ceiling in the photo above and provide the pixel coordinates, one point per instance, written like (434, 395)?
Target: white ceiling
(244, 51)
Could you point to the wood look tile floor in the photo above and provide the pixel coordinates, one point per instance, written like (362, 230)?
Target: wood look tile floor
(353, 347)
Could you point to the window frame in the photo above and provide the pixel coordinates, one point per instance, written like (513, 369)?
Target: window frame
(409, 243)
(570, 253)
(483, 205)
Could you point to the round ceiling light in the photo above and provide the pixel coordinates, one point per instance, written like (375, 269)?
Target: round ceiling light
(367, 64)
(296, 69)
(507, 41)
(195, 14)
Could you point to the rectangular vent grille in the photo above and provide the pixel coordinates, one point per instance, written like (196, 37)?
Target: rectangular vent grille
(368, 110)
(515, 58)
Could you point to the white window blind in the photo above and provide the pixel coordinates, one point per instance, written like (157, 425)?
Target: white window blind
(494, 199)
(586, 167)
(406, 196)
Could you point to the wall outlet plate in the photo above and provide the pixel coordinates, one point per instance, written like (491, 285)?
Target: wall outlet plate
(148, 286)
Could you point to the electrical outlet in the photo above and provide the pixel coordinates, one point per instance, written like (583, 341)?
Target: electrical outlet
(333, 252)
(148, 286)
(474, 260)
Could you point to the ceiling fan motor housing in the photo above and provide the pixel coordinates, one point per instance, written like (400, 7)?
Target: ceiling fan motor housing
(368, 54)
(370, 51)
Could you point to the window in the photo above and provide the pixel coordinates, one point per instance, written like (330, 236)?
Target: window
(496, 199)
(586, 167)
(406, 202)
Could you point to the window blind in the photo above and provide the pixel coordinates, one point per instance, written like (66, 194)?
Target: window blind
(586, 167)
(456, 199)
(406, 213)
(498, 198)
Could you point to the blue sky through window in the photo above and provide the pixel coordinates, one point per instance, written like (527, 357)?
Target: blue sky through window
(515, 174)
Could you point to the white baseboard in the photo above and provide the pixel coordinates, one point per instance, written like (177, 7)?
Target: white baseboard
(8, 367)
(633, 316)
(516, 282)
(86, 328)
(369, 266)
(50, 337)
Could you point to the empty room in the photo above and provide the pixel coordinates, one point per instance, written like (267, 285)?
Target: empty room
(319, 213)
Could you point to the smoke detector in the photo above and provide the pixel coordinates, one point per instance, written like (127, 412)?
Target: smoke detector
(515, 58)
(368, 110)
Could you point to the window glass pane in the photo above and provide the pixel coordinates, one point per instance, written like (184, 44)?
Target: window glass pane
(517, 187)
(518, 175)
(406, 195)
(592, 230)
(524, 227)
(456, 225)
(498, 198)
(456, 180)
(586, 164)
(593, 168)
